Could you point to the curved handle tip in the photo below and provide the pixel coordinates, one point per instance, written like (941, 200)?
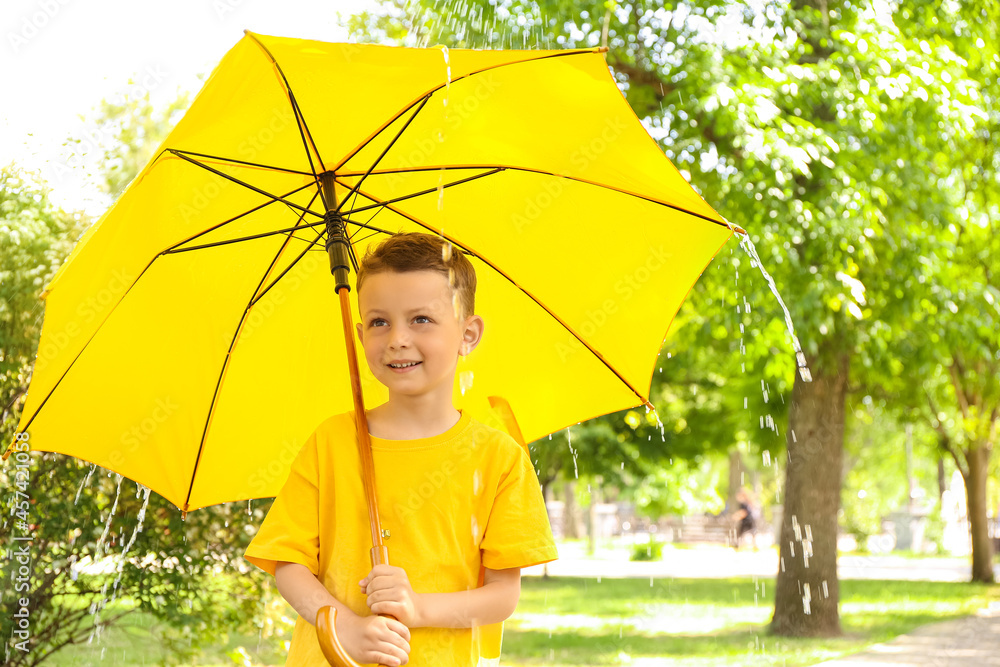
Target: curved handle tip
(326, 630)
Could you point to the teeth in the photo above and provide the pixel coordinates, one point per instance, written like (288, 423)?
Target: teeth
(406, 365)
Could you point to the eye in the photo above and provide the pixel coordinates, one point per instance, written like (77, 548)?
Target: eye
(377, 322)
(422, 319)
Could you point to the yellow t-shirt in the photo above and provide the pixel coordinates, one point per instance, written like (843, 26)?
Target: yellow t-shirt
(452, 503)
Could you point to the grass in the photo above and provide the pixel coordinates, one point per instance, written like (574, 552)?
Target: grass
(703, 622)
(568, 622)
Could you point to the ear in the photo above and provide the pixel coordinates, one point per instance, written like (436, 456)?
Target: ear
(473, 333)
(361, 336)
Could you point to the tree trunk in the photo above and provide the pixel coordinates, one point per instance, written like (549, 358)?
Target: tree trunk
(978, 461)
(807, 592)
(593, 527)
(571, 513)
(942, 482)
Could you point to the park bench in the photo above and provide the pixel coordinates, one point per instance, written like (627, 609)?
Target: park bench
(698, 528)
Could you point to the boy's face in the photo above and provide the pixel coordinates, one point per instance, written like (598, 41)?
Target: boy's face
(410, 332)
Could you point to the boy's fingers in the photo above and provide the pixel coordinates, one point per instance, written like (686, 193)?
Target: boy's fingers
(380, 606)
(392, 645)
(401, 630)
(383, 583)
(389, 658)
(396, 640)
(381, 570)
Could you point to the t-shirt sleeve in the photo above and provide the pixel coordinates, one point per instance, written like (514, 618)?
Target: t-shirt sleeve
(518, 532)
(290, 531)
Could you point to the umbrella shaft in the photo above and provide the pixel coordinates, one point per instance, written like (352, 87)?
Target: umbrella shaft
(337, 244)
(364, 439)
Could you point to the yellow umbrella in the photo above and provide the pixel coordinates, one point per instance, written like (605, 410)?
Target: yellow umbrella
(192, 340)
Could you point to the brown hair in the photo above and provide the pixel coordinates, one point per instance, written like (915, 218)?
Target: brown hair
(416, 251)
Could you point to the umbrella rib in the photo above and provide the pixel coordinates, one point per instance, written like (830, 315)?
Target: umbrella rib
(243, 183)
(430, 92)
(245, 163)
(362, 225)
(304, 133)
(363, 238)
(229, 352)
(303, 128)
(368, 225)
(382, 155)
(283, 231)
(291, 265)
(504, 167)
(419, 193)
(177, 248)
(679, 209)
(286, 231)
(470, 251)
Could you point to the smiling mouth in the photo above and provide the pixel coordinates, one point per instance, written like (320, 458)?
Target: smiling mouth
(406, 365)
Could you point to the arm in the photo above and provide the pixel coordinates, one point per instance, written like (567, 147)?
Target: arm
(368, 639)
(304, 592)
(389, 592)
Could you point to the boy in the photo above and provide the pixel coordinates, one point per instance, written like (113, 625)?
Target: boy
(455, 495)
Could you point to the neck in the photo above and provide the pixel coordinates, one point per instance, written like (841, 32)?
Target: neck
(409, 417)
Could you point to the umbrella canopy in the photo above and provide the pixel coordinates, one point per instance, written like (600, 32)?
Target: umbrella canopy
(192, 340)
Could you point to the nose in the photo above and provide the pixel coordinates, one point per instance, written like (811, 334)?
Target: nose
(399, 338)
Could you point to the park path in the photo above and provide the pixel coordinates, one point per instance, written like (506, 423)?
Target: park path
(973, 641)
(716, 561)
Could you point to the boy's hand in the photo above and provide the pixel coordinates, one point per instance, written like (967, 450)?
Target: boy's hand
(389, 592)
(374, 639)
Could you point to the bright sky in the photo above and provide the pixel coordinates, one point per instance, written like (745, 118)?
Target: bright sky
(59, 58)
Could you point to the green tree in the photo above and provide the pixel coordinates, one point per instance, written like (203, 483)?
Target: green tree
(811, 124)
(101, 548)
(35, 236)
(134, 127)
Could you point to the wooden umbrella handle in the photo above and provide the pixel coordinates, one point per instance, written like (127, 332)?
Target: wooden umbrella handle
(326, 630)
(338, 249)
(326, 617)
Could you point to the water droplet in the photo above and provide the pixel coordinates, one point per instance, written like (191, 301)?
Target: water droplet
(747, 245)
(465, 381)
(447, 66)
(569, 442)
